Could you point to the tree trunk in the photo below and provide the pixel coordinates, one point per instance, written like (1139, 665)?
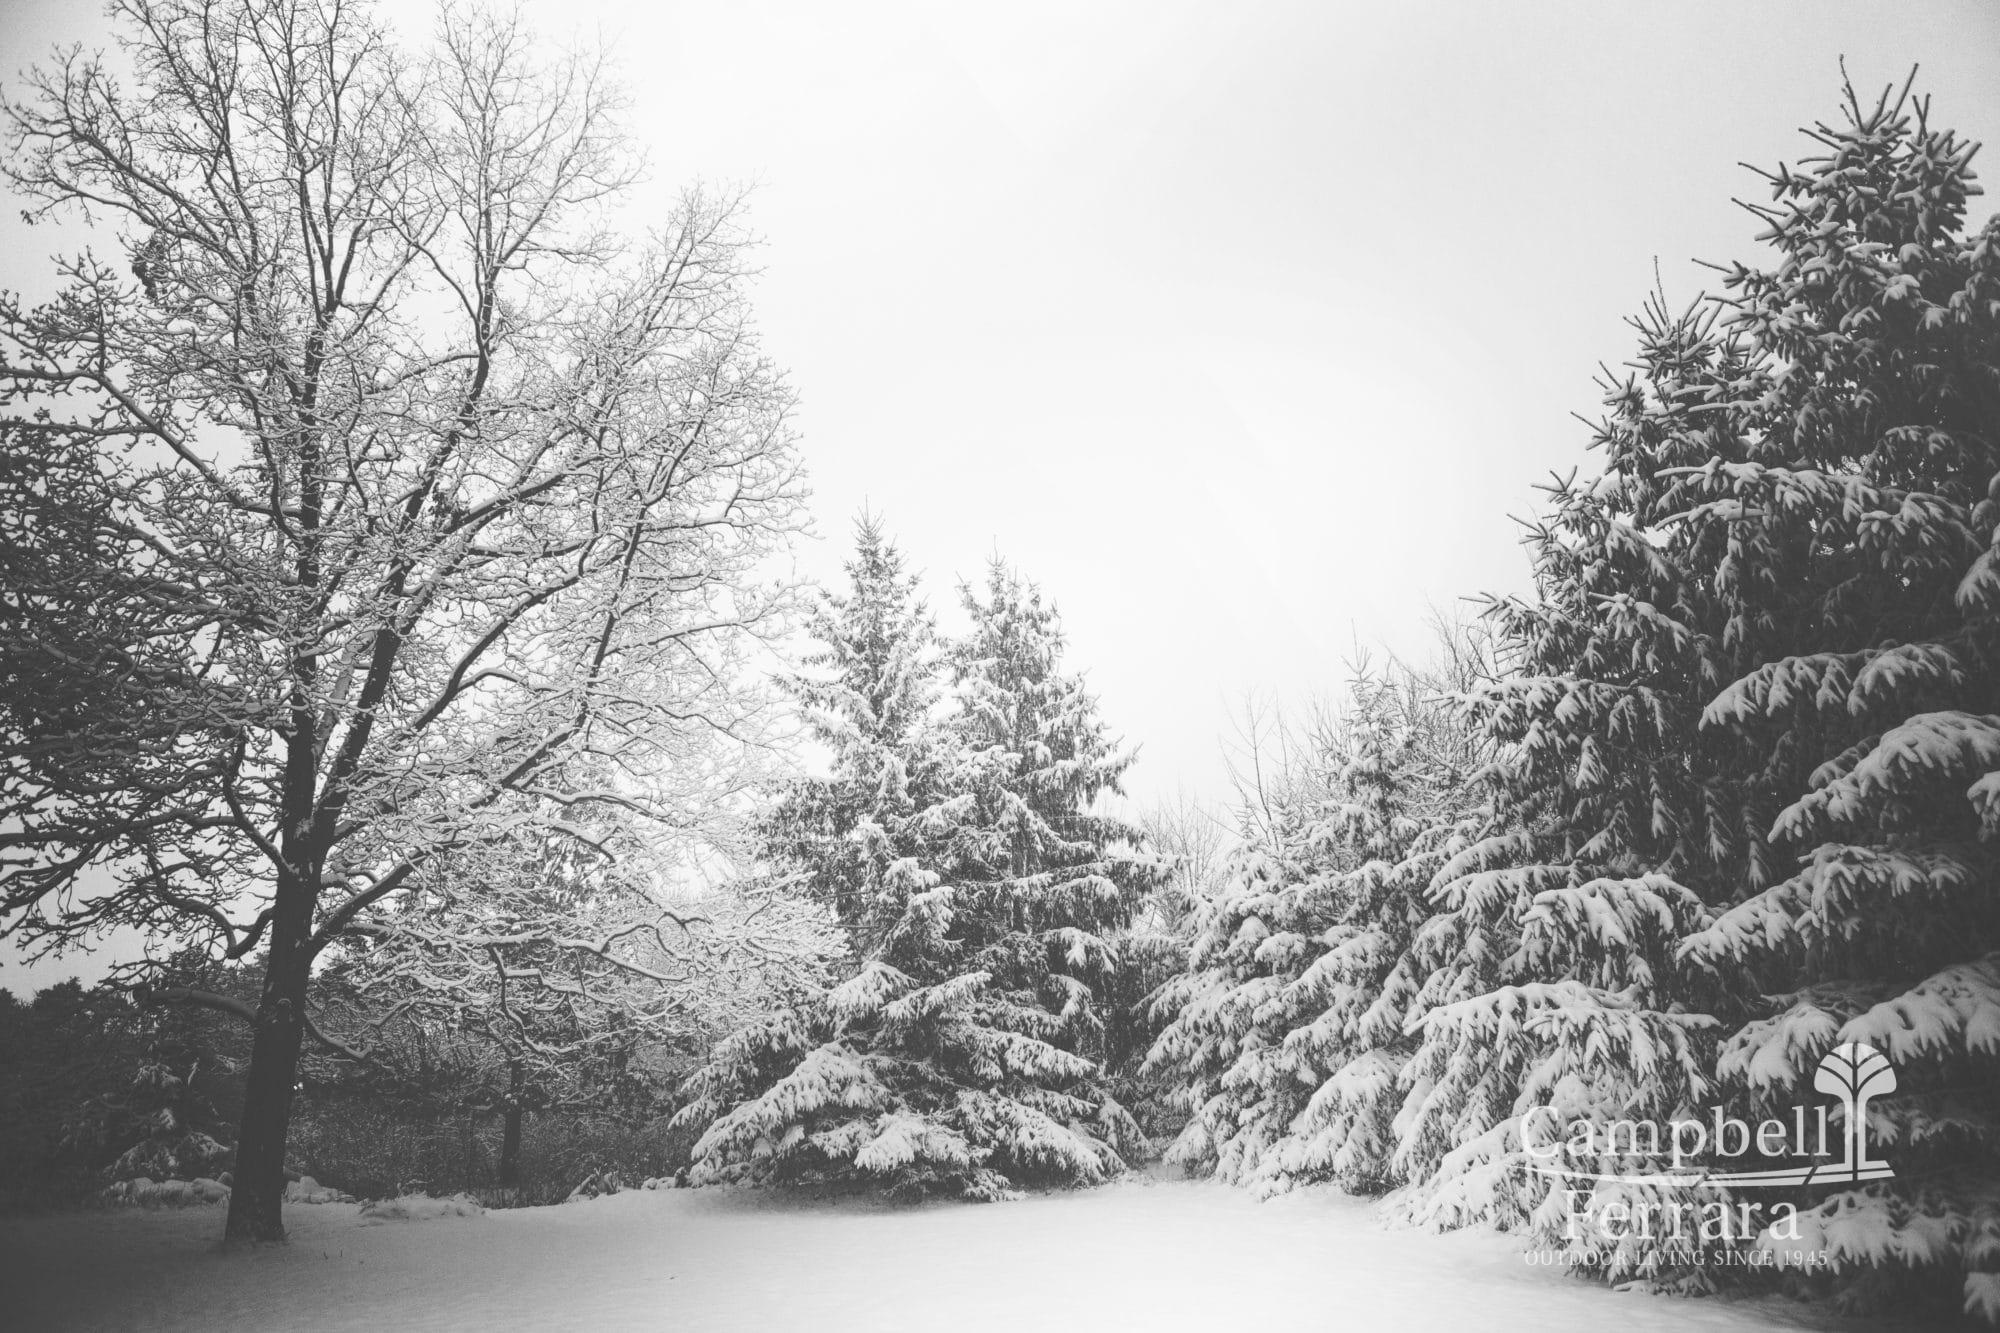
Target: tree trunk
(256, 1199)
(510, 1136)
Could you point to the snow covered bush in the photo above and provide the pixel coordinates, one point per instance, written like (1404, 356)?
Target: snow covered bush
(145, 1192)
(963, 1055)
(96, 1087)
(419, 1208)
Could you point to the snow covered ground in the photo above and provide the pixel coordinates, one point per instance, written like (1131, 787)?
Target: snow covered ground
(1142, 1254)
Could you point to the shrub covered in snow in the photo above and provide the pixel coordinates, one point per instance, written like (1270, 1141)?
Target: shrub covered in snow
(149, 1193)
(307, 1190)
(96, 1087)
(420, 1208)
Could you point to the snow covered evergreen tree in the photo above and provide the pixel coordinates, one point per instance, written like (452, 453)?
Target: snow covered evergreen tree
(1550, 976)
(1863, 517)
(1227, 1015)
(1287, 1030)
(1062, 878)
(859, 834)
(1191, 843)
(962, 1057)
(1409, 801)
(1797, 497)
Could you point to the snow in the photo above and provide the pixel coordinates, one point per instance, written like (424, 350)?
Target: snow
(419, 1208)
(147, 1193)
(1139, 1254)
(307, 1190)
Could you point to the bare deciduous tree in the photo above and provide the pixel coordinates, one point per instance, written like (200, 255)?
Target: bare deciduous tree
(1195, 842)
(1286, 765)
(387, 491)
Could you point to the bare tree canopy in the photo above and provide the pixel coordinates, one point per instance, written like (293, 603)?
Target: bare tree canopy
(380, 506)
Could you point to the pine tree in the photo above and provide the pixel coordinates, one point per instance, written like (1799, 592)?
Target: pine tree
(1864, 559)
(1490, 927)
(869, 696)
(1190, 842)
(962, 1057)
(1550, 966)
(1059, 879)
(1408, 804)
(1226, 1016)
(1229, 1012)
(1761, 637)
(1288, 1028)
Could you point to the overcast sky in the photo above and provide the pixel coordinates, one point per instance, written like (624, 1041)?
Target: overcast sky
(1244, 328)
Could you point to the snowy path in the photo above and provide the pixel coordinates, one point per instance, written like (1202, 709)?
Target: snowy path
(1138, 1255)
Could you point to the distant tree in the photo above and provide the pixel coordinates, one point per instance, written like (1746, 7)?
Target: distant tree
(1407, 801)
(964, 1056)
(386, 488)
(1285, 1033)
(66, 1053)
(1191, 845)
(1193, 842)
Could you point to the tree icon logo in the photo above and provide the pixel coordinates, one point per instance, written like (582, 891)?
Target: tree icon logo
(1855, 1072)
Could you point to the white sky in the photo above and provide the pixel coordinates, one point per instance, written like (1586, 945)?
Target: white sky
(1243, 327)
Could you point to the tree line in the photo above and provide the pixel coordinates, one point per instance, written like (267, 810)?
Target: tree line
(1724, 798)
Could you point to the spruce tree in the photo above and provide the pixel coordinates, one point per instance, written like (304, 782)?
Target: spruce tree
(962, 1056)
(1189, 842)
(1864, 559)
(1409, 802)
(1549, 964)
(1228, 1014)
(869, 696)
(1059, 878)
(1490, 926)
(1756, 709)
(1288, 1029)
